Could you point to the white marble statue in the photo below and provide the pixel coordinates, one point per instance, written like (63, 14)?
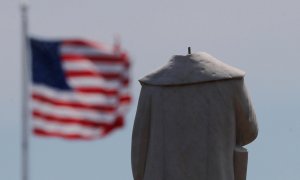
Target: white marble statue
(192, 114)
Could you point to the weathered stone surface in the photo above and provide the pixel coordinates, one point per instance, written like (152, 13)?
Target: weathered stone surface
(240, 162)
(194, 68)
(191, 115)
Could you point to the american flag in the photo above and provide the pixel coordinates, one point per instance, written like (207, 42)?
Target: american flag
(79, 88)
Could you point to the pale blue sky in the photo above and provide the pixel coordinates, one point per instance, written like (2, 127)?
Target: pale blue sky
(259, 36)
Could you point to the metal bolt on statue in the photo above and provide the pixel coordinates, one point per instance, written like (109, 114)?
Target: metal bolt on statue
(193, 117)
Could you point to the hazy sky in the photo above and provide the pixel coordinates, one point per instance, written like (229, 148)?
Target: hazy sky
(259, 36)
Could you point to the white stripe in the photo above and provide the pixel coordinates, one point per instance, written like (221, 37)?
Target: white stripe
(93, 66)
(76, 97)
(85, 50)
(55, 127)
(68, 112)
(123, 108)
(94, 82)
(125, 90)
(125, 75)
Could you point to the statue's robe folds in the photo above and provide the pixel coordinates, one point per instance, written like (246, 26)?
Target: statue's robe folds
(191, 114)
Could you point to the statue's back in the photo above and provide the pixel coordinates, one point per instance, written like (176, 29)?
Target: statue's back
(189, 131)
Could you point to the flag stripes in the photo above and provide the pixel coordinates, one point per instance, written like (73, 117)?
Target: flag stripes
(103, 58)
(55, 102)
(65, 130)
(72, 97)
(96, 95)
(97, 67)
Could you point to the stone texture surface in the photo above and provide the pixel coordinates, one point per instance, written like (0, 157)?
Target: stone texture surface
(240, 163)
(191, 115)
(194, 68)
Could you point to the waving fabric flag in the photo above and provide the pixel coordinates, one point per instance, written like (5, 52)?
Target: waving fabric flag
(79, 88)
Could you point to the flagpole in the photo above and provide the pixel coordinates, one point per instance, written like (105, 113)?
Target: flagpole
(25, 96)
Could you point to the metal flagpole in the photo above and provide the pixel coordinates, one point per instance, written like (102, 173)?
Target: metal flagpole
(25, 96)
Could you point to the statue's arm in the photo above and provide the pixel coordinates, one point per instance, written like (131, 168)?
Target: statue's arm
(246, 125)
(140, 135)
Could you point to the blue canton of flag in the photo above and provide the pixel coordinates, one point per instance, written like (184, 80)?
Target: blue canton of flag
(79, 88)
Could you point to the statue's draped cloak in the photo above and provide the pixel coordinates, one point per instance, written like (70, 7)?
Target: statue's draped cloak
(191, 114)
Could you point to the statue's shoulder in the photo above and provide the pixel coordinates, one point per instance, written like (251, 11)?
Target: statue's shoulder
(191, 69)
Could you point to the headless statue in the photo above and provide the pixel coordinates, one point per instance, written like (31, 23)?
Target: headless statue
(193, 117)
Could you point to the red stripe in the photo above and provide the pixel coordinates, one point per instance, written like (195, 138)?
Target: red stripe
(125, 99)
(56, 102)
(82, 122)
(41, 132)
(97, 91)
(87, 73)
(78, 42)
(108, 76)
(102, 58)
(119, 122)
(125, 82)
